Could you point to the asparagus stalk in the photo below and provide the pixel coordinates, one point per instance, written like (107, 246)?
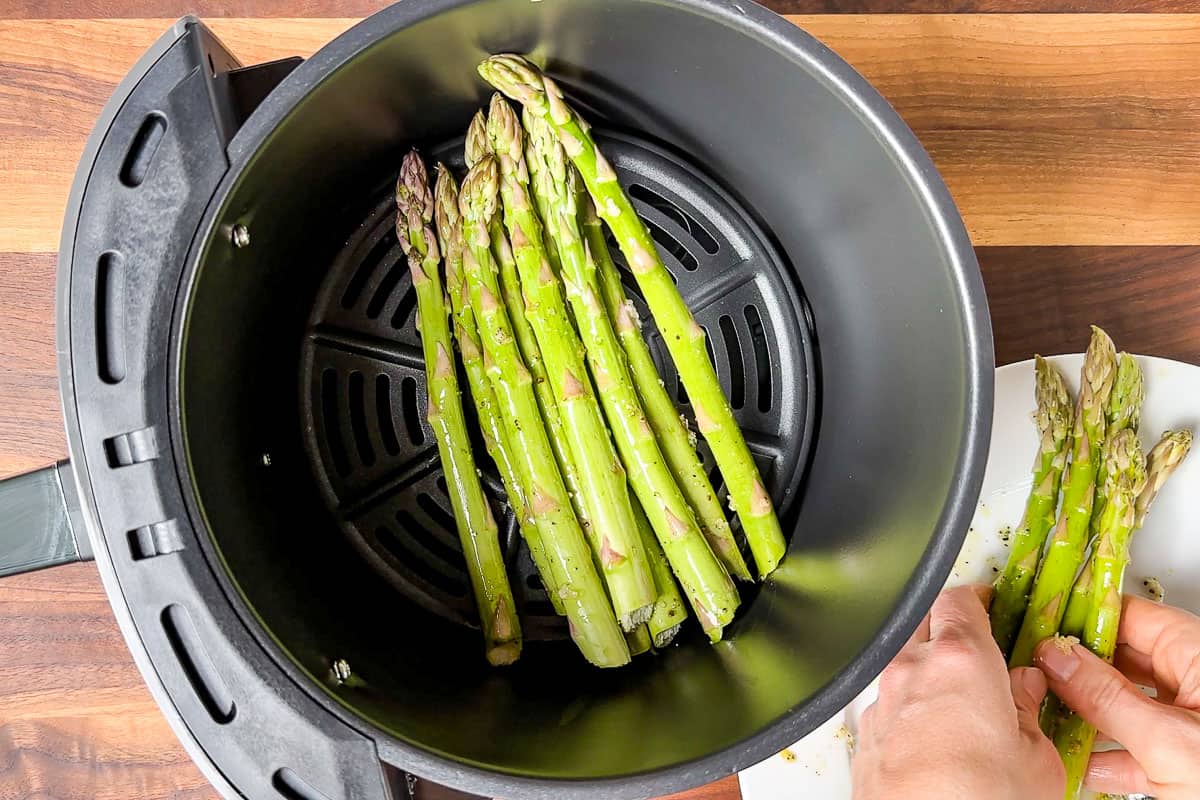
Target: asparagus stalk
(1126, 478)
(704, 579)
(476, 526)
(477, 146)
(521, 81)
(540, 201)
(602, 480)
(677, 442)
(1124, 411)
(669, 611)
(1053, 420)
(1048, 599)
(638, 640)
(590, 616)
(449, 230)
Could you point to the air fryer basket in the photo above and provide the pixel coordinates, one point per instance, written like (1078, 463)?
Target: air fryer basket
(786, 160)
(243, 398)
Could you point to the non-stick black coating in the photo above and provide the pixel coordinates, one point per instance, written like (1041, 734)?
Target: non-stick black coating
(905, 358)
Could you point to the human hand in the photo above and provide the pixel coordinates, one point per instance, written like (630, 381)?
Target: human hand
(951, 721)
(1158, 647)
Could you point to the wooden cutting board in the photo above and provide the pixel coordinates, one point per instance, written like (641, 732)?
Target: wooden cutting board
(1070, 140)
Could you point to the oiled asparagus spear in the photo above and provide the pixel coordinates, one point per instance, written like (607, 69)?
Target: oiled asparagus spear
(602, 480)
(477, 531)
(1124, 411)
(1053, 420)
(1068, 542)
(685, 339)
(1126, 478)
(677, 443)
(705, 581)
(449, 230)
(592, 623)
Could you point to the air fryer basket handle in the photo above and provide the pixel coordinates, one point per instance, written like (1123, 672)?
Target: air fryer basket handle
(36, 521)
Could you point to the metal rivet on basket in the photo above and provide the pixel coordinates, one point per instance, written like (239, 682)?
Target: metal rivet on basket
(241, 236)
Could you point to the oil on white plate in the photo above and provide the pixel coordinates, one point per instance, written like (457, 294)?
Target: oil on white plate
(1164, 552)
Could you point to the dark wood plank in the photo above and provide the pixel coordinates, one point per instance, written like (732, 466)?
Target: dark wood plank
(1042, 299)
(76, 722)
(85, 9)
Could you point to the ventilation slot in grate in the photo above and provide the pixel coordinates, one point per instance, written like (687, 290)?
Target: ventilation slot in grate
(762, 358)
(405, 308)
(383, 410)
(678, 215)
(673, 246)
(412, 411)
(358, 420)
(383, 292)
(367, 268)
(737, 369)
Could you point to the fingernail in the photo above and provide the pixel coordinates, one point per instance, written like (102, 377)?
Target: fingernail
(1057, 658)
(1034, 681)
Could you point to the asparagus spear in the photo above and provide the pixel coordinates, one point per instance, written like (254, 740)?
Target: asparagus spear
(540, 201)
(1125, 481)
(477, 146)
(638, 640)
(521, 81)
(1048, 599)
(449, 230)
(602, 480)
(1053, 420)
(1124, 411)
(592, 624)
(704, 579)
(677, 443)
(669, 611)
(477, 529)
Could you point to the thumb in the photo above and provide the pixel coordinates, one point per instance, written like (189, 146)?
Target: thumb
(1028, 690)
(1100, 694)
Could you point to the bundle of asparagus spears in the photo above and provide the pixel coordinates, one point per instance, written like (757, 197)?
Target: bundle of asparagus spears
(619, 516)
(1065, 571)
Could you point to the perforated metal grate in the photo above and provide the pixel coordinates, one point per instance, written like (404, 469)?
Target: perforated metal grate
(363, 386)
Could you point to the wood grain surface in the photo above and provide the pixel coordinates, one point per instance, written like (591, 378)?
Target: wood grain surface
(1041, 143)
(1070, 141)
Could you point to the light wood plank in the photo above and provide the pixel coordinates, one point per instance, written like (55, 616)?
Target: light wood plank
(1048, 129)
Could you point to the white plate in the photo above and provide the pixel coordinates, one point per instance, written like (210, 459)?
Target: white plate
(819, 765)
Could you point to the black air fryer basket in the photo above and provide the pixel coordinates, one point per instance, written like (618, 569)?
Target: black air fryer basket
(244, 393)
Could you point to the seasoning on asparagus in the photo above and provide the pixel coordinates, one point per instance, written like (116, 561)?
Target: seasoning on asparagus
(477, 529)
(591, 621)
(1048, 599)
(677, 442)
(1126, 466)
(449, 231)
(1053, 419)
(685, 339)
(602, 480)
(1124, 411)
(704, 579)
